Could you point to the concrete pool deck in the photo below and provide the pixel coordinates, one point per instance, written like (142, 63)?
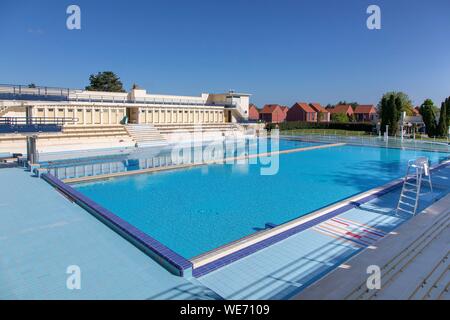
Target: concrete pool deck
(42, 233)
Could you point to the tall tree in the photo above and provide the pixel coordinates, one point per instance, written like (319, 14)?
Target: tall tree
(406, 103)
(384, 114)
(105, 81)
(427, 111)
(442, 128)
(447, 103)
(390, 109)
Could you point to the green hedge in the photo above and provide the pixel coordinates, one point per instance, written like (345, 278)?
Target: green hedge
(350, 126)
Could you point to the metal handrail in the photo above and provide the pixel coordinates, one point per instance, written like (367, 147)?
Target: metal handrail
(14, 121)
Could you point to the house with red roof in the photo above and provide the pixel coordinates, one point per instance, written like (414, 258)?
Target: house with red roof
(342, 108)
(272, 113)
(253, 112)
(366, 113)
(322, 113)
(301, 111)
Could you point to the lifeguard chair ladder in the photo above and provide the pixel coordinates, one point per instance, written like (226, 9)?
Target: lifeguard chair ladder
(409, 197)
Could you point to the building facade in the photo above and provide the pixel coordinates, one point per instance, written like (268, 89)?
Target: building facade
(111, 108)
(301, 111)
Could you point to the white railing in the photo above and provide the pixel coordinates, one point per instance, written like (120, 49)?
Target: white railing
(371, 140)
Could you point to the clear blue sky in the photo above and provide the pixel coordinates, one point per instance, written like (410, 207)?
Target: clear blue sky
(280, 51)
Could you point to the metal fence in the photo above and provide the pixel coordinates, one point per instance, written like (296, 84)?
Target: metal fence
(372, 140)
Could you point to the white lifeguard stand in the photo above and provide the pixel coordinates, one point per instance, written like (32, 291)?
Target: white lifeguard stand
(409, 197)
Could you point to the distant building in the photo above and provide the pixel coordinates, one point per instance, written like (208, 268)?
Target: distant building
(253, 112)
(411, 122)
(342, 108)
(366, 113)
(301, 111)
(272, 113)
(322, 113)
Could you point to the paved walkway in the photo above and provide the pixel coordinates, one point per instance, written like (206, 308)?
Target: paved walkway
(42, 233)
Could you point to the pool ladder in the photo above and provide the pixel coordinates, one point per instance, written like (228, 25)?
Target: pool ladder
(409, 197)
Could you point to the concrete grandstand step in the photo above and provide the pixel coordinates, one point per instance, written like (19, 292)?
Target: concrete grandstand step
(413, 279)
(391, 270)
(438, 282)
(145, 135)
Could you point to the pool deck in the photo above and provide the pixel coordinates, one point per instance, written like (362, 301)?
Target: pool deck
(42, 233)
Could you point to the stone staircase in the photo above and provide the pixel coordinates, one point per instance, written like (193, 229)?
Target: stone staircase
(208, 131)
(145, 135)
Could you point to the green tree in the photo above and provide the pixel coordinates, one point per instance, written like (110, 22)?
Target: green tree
(390, 107)
(105, 81)
(339, 117)
(384, 114)
(427, 111)
(447, 103)
(406, 103)
(442, 128)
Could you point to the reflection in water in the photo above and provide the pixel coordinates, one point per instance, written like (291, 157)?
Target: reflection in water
(217, 151)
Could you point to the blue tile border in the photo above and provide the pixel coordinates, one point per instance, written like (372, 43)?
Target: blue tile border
(159, 252)
(223, 261)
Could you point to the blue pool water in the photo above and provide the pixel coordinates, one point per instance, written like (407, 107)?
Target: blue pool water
(196, 210)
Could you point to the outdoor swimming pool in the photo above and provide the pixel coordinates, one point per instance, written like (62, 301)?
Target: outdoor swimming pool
(195, 210)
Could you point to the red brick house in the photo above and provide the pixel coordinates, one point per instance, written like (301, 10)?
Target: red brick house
(253, 112)
(301, 111)
(272, 113)
(285, 109)
(366, 113)
(342, 108)
(322, 113)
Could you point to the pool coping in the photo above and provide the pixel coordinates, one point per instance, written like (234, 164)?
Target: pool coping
(169, 259)
(219, 257)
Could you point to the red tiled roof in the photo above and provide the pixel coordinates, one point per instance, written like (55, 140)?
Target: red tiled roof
(253, 106)
(369, 108)
(304, 106)
(269, 108)
(284, 108)
(318, 108)
(341, 108)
